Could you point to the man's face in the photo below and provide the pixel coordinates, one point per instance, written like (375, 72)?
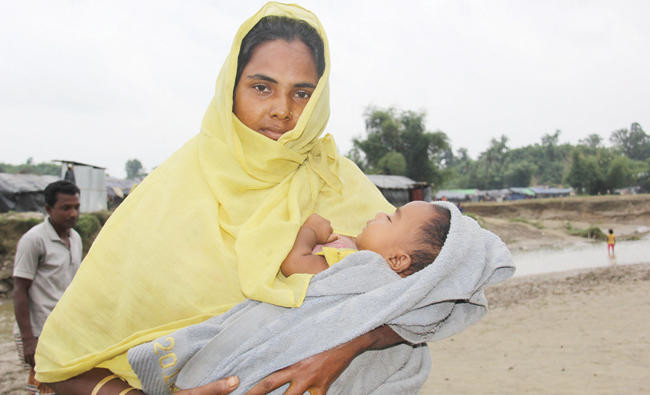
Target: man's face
(65, 213)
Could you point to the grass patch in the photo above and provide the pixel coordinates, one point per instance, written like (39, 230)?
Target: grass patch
(592, 232)
(536, 224)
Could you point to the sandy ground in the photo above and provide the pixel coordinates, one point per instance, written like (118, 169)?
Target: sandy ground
(564, 333)
(584, 332)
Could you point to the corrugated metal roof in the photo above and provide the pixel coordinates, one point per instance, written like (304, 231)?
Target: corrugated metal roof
(392, 182)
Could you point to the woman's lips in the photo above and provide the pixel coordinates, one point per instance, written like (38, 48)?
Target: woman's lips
(271, 133)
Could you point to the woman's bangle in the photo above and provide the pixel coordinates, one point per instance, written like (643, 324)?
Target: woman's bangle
(124, 391)
(103, 381)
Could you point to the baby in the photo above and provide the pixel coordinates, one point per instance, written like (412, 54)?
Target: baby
(409, 240)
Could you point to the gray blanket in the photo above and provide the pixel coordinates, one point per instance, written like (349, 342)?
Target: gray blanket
(349, 299)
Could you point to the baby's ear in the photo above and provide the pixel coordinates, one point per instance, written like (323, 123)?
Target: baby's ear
(400, 262)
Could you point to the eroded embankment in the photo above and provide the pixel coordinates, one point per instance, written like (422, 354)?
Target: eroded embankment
(631, 209)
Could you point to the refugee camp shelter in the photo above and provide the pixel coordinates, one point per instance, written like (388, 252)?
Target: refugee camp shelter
(545, 192)
(518, 193)
(399, 190)
(91, 182)
(118, 189)
(23, 192)
(458, 195)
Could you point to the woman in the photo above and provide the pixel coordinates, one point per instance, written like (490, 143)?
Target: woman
(211, 226)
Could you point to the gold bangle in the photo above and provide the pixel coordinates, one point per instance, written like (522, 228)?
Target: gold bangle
(124, 391)
(103, 381)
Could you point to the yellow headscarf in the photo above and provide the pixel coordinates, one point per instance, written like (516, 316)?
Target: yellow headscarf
(207, 229)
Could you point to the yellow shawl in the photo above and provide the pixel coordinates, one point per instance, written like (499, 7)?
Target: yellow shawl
(206, 230)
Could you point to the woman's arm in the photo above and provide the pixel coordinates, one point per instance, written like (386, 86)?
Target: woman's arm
(86, 382)
(319, 371)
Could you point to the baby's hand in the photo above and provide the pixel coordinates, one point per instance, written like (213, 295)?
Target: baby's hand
(322, 228)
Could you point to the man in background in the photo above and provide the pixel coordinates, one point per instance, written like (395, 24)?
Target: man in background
(47, 258)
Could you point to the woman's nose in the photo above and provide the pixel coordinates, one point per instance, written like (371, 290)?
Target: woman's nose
(281, 110)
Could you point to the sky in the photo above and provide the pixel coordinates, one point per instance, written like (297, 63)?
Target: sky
(102, 82)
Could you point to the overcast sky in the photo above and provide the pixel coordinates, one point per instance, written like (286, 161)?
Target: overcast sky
(102, 82)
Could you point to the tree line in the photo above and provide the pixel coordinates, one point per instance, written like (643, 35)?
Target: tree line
(397, 142)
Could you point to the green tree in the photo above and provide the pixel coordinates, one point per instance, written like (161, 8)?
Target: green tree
(619, 174)
(634, 143)
(134, 169)
(490, 167)
(392, 163)
(403, 132)
(519, 174)
(29, 167)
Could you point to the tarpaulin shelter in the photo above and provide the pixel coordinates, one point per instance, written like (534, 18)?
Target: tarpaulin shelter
(23, 192)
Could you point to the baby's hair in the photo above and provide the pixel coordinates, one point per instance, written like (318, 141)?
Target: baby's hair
(432, 236)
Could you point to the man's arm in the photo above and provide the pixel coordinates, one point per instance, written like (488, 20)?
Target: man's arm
(319, 371)
(21, 310)
(28, 252)
(315, 230)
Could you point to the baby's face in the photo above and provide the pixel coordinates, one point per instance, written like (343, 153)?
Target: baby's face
(387, 234)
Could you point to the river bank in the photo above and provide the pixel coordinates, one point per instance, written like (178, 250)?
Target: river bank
(581, 331)
(577, 332)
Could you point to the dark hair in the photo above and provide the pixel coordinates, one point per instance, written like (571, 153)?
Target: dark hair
(611, 231)
(53, 189)
(281, 27)
(433, 234)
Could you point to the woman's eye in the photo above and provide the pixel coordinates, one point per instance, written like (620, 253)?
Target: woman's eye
(303, 94)
(261, 88)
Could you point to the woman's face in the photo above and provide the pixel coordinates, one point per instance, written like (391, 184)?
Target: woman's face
(275, 87)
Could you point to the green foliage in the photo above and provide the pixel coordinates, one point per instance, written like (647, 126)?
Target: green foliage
(390, 132)
(620, 173)
(392, 163)
(592, 232)
(634, 143)
(10, 231)
(644, 176)
(519, 173)
(134, 169)
(29, 167)
(88, 227)
(397, 143)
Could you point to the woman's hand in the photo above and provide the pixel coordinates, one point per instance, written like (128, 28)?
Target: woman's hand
(219, 387)
(86, 382)
(316, 373)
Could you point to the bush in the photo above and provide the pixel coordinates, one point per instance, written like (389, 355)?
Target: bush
(592, 232)
(88, 226)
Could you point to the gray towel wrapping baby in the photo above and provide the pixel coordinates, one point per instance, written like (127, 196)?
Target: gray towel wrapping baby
(351, 298)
